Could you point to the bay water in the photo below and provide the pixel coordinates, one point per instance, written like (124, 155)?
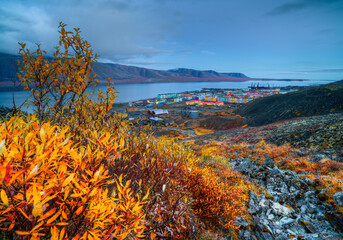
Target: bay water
(138, 91)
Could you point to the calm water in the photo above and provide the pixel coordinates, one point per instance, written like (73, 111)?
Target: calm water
(134, 92)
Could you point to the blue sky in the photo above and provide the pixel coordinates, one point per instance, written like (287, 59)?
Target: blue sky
(260, 38)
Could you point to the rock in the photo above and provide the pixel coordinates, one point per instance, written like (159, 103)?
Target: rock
(296, 230)
(309, 194)
(270, 216)
(336, 220)
(246, 234)
(242, 222)
(308, 226)
(281, 237)
(253, 203)
(311, 209)
(318, 157)
(274, 171)
(262, 233)
(268, 162)
(264, 203)
(244, 166)
(338, 197)
(326, 236)
(281, 210)
(307, 181)
(322, 195)
(285, 221)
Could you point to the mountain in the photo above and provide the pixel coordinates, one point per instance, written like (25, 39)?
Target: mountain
(311, 101)
(121, 73)
(130, 74)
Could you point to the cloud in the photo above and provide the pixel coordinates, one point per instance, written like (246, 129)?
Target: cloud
(324, 70)
(206, 52)
(299, 5)
(116, 29)
(327, 70)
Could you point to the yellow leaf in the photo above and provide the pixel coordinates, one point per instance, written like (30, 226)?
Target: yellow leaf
(146, 195)
(42, 133)
(2, 146)
(37, 210)
(68, 180)
(122, 142)
(62, 233)
(4, 197)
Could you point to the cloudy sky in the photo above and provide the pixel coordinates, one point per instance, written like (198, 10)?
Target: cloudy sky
(261, 38)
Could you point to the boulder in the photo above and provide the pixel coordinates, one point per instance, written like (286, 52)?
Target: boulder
(338, 197)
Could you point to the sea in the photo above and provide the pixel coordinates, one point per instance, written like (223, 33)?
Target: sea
(138, 91)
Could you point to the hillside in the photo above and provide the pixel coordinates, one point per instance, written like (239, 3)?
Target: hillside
(310, 101)
(131, 74)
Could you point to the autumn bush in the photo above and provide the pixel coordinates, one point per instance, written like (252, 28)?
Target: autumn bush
(56, 187)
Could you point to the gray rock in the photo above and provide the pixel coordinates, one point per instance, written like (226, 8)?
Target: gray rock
(270, 216)
(338, 197)
(281, 237)
(310, 194)
(308, 226)
(296, 230)
(286, 221)
(323, 194)
(336, 220)
(242, 222)
(307, 181)
(311, 209)
(268, 162)
(327, 236)
(281, 210)
(264, 203)
(253, 204)
(246, 234)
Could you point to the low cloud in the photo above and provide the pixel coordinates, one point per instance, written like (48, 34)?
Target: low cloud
(299, 5)
(205, 52)
(327, 70)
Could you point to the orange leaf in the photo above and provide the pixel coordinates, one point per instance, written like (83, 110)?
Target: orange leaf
(22, 233)
(79, 210)
(54, 217)
(62, 224)
(4, 197)
(48, 214)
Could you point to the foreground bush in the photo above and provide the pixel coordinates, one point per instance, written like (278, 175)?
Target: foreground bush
(55, 187)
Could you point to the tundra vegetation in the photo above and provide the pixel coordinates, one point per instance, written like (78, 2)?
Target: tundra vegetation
(76, 170)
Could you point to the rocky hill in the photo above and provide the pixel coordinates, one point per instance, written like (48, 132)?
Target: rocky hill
(310, 101)
(122, 73)
(131, 74)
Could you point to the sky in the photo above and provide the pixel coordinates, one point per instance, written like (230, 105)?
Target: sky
(260, 38)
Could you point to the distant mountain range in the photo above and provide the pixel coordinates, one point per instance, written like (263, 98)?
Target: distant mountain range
(130, 74)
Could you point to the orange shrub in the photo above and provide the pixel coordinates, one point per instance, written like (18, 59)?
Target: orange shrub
(54, 187)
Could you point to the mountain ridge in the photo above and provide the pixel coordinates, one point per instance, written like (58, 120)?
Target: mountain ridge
(130, 74)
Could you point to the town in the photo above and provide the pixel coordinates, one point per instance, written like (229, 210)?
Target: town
(230, 98)
(195, 112)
